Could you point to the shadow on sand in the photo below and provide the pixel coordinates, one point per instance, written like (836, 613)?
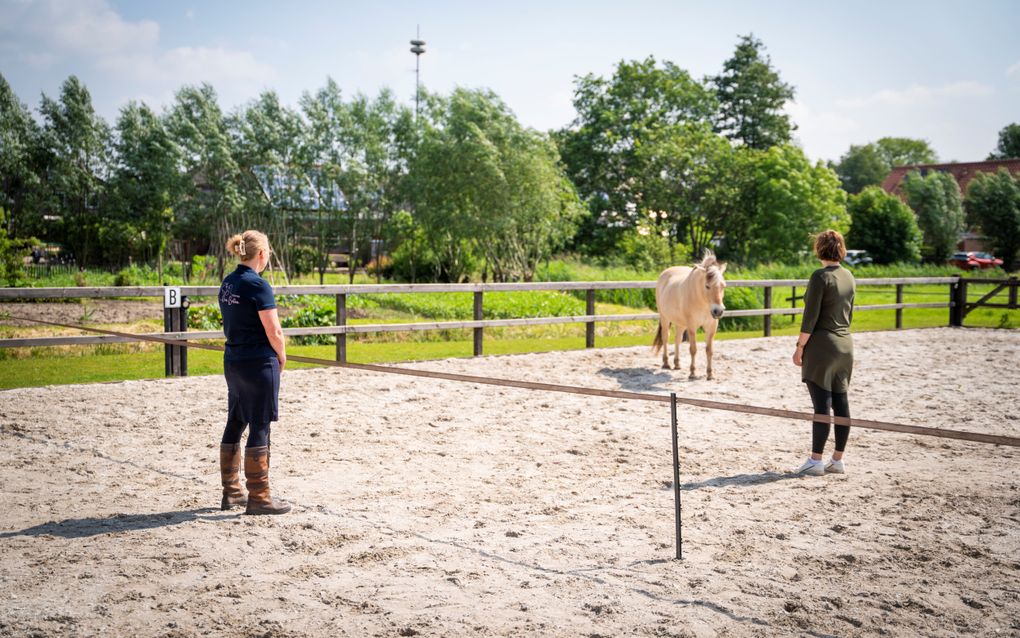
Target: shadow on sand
(94, 526)
(739, 480)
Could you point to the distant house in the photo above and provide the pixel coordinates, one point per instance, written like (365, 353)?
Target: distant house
(963, 173)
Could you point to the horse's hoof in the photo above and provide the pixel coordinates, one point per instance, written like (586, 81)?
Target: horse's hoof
(665, 366)
(692, 377)
(708, 377)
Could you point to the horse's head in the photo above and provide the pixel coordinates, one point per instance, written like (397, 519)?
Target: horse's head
(715, 284)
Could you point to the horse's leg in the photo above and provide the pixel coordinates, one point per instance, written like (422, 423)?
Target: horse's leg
(709, 337)
(693, 334)
(677, 338)
(664, 336)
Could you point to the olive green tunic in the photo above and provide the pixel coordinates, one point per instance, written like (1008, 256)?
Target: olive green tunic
(828, 311)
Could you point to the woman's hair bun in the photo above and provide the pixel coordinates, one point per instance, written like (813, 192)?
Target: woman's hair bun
(234, 245)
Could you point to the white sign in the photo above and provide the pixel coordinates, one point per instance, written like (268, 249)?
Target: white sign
(171, 297)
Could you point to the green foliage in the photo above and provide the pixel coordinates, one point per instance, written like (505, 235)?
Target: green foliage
(785, 201)
(936, 200)
(12, 252)
(645, 249)
(860, 167)
(1009, 143)
(205, 317)
(130, 276)
(993, 204)
(614, 117)
(884, 226)
(751, 98)
(485, 187)
(688, 189)
(868, 165)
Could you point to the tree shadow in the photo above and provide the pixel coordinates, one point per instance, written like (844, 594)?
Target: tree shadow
(640, 379)
(739, 480)
(95, 525)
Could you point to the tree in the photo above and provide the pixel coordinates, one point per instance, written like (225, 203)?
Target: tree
(363, 145)
(884, 226)
(751, 98)
(20, 143)
(614, 117)
(935, 198)
(869, 164)
(486, 186)
(688, 191)
(12, 250)
(1009, 143)
(77, 143)
(860, 167)
(993, 204)
(904, 151)
(210, 206)
(145, 181)
(784, 201)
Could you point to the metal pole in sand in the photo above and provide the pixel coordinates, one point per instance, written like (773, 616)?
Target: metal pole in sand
(676, 478)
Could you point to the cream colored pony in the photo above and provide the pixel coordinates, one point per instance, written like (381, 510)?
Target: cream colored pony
(690, 298)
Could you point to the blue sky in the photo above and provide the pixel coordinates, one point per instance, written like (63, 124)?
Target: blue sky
(948, 72)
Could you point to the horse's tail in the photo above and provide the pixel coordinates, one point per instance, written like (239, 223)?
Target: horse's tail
(659, 341)
(685, 339)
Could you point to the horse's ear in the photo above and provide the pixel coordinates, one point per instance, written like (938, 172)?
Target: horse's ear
(722, 267)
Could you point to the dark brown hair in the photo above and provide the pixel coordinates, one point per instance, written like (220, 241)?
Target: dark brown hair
(829, 246)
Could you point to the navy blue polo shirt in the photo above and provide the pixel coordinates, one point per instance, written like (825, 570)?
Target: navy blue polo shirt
(242, 295)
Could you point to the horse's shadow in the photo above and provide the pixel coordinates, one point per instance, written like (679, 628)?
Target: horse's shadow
(640, 379)
(95, 525)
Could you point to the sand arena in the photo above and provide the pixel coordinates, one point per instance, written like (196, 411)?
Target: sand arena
(437, 508)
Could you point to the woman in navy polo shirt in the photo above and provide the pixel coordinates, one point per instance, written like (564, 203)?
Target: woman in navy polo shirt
(255, 356)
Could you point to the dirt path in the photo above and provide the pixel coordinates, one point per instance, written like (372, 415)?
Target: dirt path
(438, 508)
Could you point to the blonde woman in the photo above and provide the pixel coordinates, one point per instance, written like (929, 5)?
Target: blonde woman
(254, 358)
(825, 349)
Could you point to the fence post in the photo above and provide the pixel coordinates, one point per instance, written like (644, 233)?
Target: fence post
(958, 300)
(341, 320)
(168, 326)
(768, 306)
(676, 478)
(182, 370)
(589, 328)
(1012, 292)
(478, 317)
(899, 311)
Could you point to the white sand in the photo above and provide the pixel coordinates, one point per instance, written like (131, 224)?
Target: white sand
(442, 508)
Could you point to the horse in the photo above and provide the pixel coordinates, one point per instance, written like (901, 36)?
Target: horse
(690, 298)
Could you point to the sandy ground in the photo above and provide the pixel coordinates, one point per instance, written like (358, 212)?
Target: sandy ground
(104, 311)
(437, 508)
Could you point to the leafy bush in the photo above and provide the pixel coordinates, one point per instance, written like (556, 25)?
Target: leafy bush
(205, 317)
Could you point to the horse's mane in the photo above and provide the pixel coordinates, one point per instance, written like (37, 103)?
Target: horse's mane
(711, 266)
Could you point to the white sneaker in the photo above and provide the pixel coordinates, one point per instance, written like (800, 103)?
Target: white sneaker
(811, 469)
(834, 467)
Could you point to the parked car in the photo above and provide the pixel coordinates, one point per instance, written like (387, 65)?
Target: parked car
(857, 258)
(974, 260)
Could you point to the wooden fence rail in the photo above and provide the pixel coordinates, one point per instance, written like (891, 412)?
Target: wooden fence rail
(176, 325)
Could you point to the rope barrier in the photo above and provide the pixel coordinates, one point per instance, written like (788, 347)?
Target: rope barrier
(976, 437)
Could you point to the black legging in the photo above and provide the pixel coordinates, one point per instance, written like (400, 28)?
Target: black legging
(822, 400)
(258, 435)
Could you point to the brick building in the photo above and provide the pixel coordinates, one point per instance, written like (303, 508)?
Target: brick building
(963, 173)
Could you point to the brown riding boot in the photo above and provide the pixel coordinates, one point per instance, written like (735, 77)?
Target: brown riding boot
(230, 476)
(256, 471)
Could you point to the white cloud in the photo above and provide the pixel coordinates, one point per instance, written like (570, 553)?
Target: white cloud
(84, 33)
(917, 94)
(1015, 69)
(88, 28)
(822, 134)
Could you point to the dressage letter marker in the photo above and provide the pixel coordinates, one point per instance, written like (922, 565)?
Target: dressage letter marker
(171, 297)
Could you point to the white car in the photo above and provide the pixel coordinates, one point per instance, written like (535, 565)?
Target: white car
(857, 258)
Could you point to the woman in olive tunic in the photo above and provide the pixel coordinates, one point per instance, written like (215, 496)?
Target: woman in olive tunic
(825, 349)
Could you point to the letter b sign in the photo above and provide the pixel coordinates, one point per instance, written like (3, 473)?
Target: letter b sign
(171, 297)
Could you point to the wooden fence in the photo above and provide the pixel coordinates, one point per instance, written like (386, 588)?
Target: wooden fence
(176, 322)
